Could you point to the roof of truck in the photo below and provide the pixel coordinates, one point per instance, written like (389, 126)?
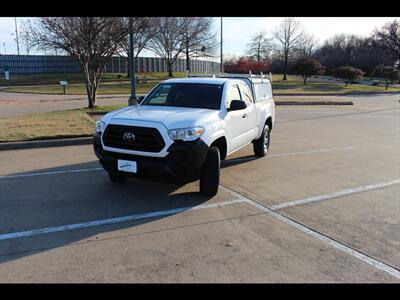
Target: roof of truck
(206, 80)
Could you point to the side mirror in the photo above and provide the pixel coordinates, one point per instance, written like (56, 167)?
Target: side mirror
(237, 105)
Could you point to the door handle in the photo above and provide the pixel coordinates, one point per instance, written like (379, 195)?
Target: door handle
(244, 116)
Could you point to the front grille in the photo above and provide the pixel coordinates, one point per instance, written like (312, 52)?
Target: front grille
(146, 139)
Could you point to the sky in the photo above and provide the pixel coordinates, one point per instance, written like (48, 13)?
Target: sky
(237, 31)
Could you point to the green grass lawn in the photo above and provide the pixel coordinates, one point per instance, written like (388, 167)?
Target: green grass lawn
(122, 87)
(111, 85)
(54, 79)
(51, 125)
(294, 84)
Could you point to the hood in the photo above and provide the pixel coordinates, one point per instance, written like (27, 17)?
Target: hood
(170, 117)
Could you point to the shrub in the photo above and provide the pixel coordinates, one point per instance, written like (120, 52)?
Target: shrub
(348, 74)
(306, 67)
(245, 64)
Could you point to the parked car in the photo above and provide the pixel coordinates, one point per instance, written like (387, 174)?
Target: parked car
(184, 127)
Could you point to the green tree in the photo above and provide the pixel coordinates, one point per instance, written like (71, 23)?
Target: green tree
(347, 73)
(307, 67)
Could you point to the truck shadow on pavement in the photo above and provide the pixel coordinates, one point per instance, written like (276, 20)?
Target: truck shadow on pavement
(67, 197)
(29, 203)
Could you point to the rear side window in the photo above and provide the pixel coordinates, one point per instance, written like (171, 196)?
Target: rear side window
(263, 91)
(246, 93)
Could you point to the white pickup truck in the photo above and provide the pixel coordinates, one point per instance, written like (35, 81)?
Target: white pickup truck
(181, 130)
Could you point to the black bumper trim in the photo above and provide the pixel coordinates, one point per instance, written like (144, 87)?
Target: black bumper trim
(183, 163)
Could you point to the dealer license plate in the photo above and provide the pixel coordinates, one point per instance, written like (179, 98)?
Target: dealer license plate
(127, 166)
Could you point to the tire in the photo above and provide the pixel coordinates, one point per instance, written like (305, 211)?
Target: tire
(209, 178)
(261, 145)
(117, 177)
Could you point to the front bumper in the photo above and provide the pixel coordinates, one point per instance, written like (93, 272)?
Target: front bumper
(183, 163)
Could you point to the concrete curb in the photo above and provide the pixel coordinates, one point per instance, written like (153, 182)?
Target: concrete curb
(46, 143)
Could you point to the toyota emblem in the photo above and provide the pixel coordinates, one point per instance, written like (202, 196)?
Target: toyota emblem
(128, 137)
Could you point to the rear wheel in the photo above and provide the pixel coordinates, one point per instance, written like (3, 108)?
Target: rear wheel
(117, 177)
(209, 178)
(261, 145)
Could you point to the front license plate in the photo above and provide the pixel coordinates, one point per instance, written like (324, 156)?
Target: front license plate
(127, 166)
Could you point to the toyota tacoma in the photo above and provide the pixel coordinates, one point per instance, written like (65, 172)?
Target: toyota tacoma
(184, 127)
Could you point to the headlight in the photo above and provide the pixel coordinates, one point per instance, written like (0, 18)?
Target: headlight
(186, 134)
(100, 126)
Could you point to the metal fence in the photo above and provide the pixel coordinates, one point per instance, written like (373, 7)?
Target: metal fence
(31, 64)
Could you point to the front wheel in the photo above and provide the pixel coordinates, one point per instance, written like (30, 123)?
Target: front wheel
(209, 178)
(261, 145)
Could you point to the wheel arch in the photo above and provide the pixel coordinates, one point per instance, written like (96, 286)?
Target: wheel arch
(222, 146)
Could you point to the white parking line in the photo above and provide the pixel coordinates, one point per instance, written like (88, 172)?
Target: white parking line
(370, 260)
(335, 194)
(51, 173)
(230, 160)
(294, 153)
(39, 231)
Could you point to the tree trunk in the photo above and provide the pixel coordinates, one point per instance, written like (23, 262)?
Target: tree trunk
(285, 68)
(92, 78)
(346, 82)
(169, 69)
(387, 84)
(187, 59)
(305, 79)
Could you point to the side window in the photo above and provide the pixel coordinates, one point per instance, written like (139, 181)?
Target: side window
(246, 93)
(160, 95)
(233, 94)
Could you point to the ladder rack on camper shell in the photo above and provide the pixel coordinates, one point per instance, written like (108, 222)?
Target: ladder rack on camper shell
(227, 75)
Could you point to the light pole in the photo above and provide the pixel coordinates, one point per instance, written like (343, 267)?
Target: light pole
(16, 34)
(132, 67)
(222, 60)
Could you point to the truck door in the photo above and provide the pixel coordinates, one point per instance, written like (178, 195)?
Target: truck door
(236, 121)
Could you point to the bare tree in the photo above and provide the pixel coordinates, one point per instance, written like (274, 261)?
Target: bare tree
(167, 40)
(143, 29)
(197, 37)
(90, 40)
(288, 36)
(259, 46)
(360, 52)
(25, 35)
(388, 37)
(307, 46)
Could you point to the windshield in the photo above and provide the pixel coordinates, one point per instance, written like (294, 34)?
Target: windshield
(197, 95)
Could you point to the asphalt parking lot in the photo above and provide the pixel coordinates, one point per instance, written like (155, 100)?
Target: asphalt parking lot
(322, 206)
